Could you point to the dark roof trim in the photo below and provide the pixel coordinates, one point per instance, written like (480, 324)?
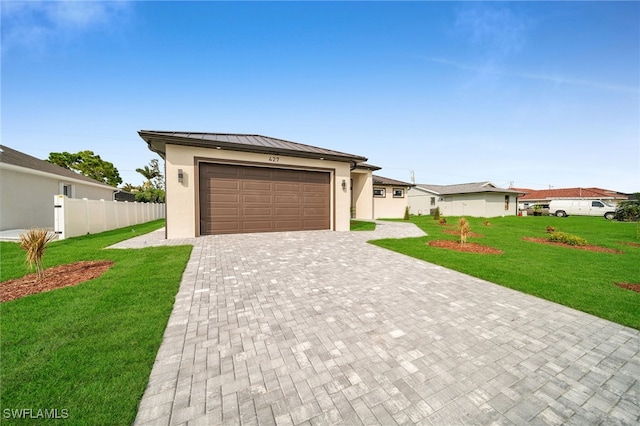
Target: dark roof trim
(380, 180)
(158, 140)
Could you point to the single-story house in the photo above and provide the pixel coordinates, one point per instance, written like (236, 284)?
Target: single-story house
(544, 196)
(28, 186)
(390, 197)
(476, 199)
(239, 183)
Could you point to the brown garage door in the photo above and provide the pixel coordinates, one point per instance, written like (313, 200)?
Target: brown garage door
(238, 199)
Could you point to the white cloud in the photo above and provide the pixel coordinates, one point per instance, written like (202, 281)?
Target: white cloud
(33, 25)
(498, 30)
(555, 79)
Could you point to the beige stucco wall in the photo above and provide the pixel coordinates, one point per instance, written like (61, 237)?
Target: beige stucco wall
(420, 202)
(390, 207)
(362, 194)
(182, 198)
(26, 196)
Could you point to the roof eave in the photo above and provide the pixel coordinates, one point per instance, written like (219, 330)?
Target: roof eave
(157, 143)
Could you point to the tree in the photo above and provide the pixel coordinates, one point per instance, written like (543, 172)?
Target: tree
(152, 190)
(88, 164)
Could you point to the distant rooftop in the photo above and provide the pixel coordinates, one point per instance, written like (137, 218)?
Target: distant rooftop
(20, 159)
(157, 141)
(550, 194)
(466, 188)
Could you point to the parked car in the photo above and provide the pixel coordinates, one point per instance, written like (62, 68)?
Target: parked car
(562, 208)
(537, 210)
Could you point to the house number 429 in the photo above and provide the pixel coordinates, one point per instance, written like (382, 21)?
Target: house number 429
(274, 159)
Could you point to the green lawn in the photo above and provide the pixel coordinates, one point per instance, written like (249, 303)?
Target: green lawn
(87, 349)
(359, 225)
(579, 279)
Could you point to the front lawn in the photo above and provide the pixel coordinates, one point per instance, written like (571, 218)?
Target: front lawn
(87, 351)
(360, 225)
(579, 279)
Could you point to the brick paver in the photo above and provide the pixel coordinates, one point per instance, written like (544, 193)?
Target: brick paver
(320, 328)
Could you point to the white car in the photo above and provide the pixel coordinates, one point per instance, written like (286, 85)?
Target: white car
(562, 208)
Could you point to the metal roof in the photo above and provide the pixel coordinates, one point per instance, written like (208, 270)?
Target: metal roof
(157, 141)
(380, 180)
(19, 159)
(465, 188)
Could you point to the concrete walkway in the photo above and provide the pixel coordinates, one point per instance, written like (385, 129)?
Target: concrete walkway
(320, 328)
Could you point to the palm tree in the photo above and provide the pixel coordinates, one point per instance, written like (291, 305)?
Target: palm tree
(149, 174)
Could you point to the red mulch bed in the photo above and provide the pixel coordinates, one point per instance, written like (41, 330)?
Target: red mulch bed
(629, 286)
(454, 232)
(466, 248)
(587, 247)
(631, 244)
(56, 277)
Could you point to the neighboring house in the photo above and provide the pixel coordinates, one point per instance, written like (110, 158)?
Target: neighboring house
(239, 183)
(28, 185)
(390, 197)
(543, 196)
(478, 199)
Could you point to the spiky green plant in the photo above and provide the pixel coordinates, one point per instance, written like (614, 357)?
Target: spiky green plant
(35, 242)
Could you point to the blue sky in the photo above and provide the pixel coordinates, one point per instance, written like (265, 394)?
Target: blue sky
(536, 94)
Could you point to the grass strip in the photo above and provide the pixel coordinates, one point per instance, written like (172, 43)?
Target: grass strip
(87, 351)
(359, 225)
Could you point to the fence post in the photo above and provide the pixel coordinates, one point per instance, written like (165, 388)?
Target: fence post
(58, 216)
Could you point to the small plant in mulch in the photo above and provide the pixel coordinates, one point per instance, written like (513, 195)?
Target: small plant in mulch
(442, 221)
(464, 228)
(35, 242)
(550, 229)
(486, 223)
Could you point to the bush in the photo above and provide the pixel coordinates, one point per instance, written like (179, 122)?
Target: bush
(571, 240)
(436, 214)
(406, 213)
(628, 211)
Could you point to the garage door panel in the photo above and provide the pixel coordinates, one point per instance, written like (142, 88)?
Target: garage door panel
(288, 211)
(287, 187)
(256, 198)
(257, 186)
(257, 211)
(235, 199)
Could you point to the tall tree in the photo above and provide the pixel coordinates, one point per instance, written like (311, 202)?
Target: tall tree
(88, 164)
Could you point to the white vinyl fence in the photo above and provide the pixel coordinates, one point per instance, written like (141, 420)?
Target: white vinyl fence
(74, 217)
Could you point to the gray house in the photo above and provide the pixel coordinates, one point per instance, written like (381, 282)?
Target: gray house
(28, 186)
(476, 199)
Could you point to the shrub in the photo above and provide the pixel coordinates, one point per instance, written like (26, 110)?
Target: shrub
(571, 240)
(406, 213)
(628, 211)
(35, 242)
(436, 214)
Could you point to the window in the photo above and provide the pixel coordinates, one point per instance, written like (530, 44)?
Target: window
(596, 204)
(66, 189)
(506, 202)
(433, 201)
(379, 192)
(398, 193)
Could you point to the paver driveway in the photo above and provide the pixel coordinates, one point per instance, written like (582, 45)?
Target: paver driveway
(322, 328)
